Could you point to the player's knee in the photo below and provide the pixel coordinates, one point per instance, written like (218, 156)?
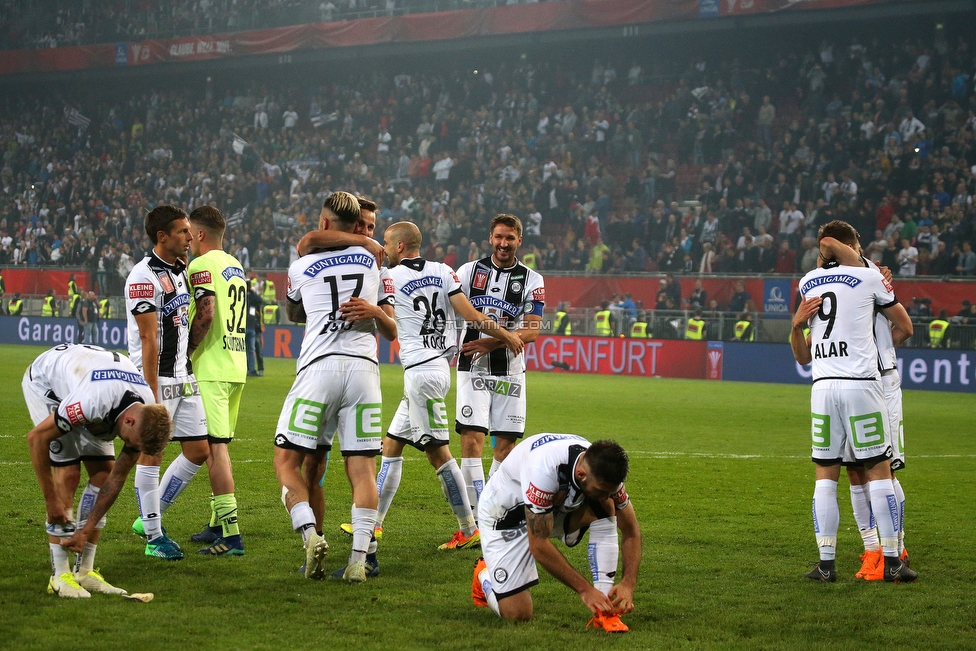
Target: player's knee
(517, 608)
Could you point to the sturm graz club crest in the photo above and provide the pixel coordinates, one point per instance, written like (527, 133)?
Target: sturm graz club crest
(466, 411)
(55, 446)
(501, 575)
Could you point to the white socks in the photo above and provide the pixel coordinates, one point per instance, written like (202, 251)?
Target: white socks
(861, 503)
(147, 497)
(85, 562)
(363, 522)
(826, 517)
(489, 594)
(885, 508)
(303, 520)
(474, 481)
(494, 466)
(602, 552)
(900, 498)
(59, 559)
(453, 485)
(85, 504)
(387, 483)
(177, 477)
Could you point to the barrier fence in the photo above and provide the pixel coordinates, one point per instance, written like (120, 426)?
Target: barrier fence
(943, 369)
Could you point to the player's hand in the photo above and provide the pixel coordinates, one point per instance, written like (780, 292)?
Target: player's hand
(514, 343)
(376, 249)
(622, 597)
(596, 601)
(886, 272)
(75, 543)
(808, 307)
(56, 513)
(358, 309)
(480, 347)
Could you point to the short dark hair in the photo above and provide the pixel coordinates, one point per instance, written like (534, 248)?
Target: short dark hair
(345, 208)
(367, 204)
(211, 219)
(511, 221)
(840, 231)
(161, 218)
(608, 462)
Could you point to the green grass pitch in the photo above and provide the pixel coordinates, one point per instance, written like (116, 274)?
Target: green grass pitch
(721, 481)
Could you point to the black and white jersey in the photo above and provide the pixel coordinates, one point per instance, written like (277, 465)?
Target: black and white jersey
(157, 286)
(842, 333)
(322, 282)
(506, 295)
(426, 326)
(539, 474)
(93, 387)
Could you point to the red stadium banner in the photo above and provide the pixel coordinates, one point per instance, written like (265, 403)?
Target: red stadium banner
(461, 24)
(609, 356)
(36, 281)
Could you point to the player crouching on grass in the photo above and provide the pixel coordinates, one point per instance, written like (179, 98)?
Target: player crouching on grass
(558, 486)
(80, 398)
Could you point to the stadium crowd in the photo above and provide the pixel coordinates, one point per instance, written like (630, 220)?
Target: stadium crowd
(600, 160)
(80, 22)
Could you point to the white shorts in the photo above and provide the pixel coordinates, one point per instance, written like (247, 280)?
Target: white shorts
(511, 565)
(334, 393)
(849, 421)
(68, 449)
(185, 407)
(891, 385)
(493, 404)
(421, 417)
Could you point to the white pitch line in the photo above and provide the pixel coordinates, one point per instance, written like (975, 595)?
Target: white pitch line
(648, 454)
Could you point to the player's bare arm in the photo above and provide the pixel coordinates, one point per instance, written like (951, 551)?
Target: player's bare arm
(622, 594)
(545, 553)
(296, 312)
(110, 490)
(799, 342)
(486, 324)
(39, 440)
(528, 334)
(358, 309)
(202, 320)
(902, 328)
(149, 334)
(317, 240)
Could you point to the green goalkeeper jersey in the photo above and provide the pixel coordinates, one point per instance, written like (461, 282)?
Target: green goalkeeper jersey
(222, 356)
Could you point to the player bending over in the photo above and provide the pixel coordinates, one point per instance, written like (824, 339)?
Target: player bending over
(80, 398)
(558, 486)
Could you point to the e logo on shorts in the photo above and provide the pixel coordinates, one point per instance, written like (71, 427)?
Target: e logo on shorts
(821, 430)
(369, 421)
(437, 413)
(868, 430)
(306, 417)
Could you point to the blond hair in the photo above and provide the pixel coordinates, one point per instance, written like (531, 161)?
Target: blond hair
(155, 429)
(345, 208)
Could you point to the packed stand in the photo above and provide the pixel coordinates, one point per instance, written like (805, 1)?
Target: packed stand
(591, 162)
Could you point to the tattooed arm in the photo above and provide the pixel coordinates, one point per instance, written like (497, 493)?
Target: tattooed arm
(202, 321)
(545, 553)
(106, 497)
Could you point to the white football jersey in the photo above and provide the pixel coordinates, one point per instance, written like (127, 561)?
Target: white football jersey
(842, 332)
(93, 387)
(538, 474)
(426, 327)
(887, 357)
(506, 295)
(324, 281)
(154, 286)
